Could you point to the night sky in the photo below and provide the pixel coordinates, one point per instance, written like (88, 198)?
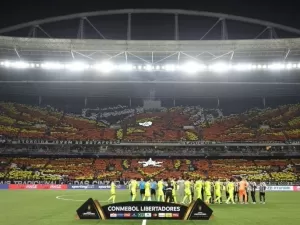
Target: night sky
(284, 12)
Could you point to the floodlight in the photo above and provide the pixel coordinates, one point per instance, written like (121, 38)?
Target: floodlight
(192, 67)
(170, 67)
(220, 67)
(242, 67)
(52, 66)
(289, 66)
(20, 65)
(7, 64)
(76, 66)
(125, 67)
(148, 67)
(105, 67)
(276, 66)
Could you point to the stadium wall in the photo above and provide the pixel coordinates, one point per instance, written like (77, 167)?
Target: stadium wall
(102, 187)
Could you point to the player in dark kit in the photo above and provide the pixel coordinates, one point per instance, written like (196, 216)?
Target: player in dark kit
(212, 190)
(169, 192)
(192, 188)
(236, 191)
(253, 191)
(153, 189)
(247, 193)
(225, 185)
(142, 188)
(262, 192)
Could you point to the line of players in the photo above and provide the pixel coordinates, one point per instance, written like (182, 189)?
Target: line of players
(236, 190)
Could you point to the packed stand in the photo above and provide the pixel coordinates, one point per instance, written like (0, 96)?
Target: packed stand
(194, 123)
(82, 169)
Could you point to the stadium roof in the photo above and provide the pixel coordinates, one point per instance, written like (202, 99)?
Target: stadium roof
(37, 49)
(151, 51)
(155, 52)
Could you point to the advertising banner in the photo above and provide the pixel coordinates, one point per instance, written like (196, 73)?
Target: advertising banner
(98, 187)
(75, 182)
(296, 188)
(65, 142)
(92, 209)
(3, 186)
(279, 188)
(37, 186)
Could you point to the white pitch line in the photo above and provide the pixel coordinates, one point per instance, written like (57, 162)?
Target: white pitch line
(144, 222)
(67, 199)
(61, 197)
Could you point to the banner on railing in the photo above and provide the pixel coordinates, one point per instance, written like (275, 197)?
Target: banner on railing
(280, 188)
(76, 182)
(3, 186)
(98, 187)
(104, 187)
(64, 142)
(37, 186)
(296, 188)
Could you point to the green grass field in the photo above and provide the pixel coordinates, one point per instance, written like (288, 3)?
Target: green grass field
(43, 208)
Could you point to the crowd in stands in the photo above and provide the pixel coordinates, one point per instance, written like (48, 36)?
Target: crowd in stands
(70, 169)
(180, 123)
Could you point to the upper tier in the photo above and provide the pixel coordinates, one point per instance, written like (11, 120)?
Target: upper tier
(168, 124)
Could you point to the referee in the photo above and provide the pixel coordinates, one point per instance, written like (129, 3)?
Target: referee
(142, 188)
(169, 192)
(153, 189)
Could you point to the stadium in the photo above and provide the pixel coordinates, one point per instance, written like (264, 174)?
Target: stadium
(81, 113)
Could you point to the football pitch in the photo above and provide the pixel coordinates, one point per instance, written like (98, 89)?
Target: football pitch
(40, 207)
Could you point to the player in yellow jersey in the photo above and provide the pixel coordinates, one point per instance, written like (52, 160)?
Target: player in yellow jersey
(207, 190)
(187, 192)
(147, 195)
(218, 191)
(174, 191)
(160, 191)
(112, 192)
(198, 189)
(230, 190)
(133, 186)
